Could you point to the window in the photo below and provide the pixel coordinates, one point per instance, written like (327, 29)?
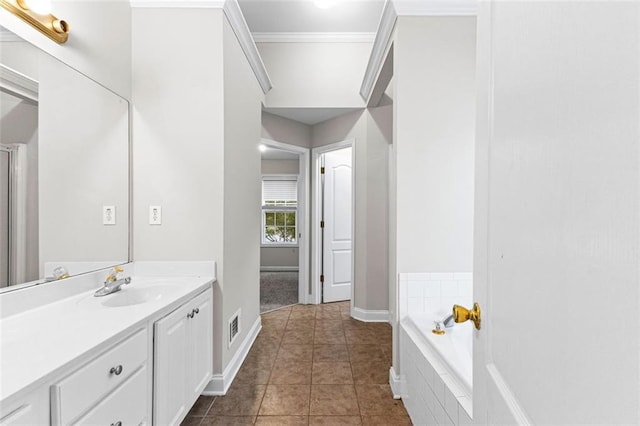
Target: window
(279, 210)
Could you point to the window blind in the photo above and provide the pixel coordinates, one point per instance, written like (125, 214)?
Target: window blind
(279, 190)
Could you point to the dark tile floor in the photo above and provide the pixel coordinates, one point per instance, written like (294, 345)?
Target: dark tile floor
(310, 365)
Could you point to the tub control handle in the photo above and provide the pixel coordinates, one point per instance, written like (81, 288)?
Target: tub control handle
(462, 314)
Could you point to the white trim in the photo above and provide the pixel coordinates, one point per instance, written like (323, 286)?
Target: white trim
(279, 269)
(367, 315)
(178, 4)
(241, 29)
(236, 20)
(18, 84)
(508, 398)
(310, 37)
(395, 382)
(316, 293)
(393, 9)
(379, 50)
(304, 231)
(219, 384)
(8, 36)
(436, 7)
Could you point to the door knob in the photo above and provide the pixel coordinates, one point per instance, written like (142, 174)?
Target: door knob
(462, 314)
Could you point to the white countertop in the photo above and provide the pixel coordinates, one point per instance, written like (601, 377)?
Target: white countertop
(35, 344)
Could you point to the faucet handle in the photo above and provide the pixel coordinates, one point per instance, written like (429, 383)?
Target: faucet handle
(462, 314)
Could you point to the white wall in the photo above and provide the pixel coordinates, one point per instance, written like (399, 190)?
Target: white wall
(284, 130)
(167, 76)
(434, 101)
(242, 189)
(558, 212)
(279, 256)
(370, 174)
(280, 167)
(315, 74)
(99, 43)
(196, 127)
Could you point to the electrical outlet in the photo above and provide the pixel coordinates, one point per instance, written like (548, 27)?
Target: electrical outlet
(155, 215)
(108, 215)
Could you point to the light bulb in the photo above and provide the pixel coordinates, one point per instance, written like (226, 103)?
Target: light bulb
(262, 148)
(42, 7)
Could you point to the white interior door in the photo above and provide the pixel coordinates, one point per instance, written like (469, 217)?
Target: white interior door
(557, 213)
(338, 233)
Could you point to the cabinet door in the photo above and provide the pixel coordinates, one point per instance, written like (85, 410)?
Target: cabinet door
(32, 409)
(200, 346)
(171, 367)
(123, 406)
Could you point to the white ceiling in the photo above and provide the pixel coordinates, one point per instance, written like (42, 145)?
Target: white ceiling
(300, 16)
(310, 116)
(303, 16)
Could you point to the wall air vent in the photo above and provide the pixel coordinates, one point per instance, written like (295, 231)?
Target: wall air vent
(234, 327)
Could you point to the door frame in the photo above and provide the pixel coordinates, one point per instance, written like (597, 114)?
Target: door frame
(316, 214)
(304, 243)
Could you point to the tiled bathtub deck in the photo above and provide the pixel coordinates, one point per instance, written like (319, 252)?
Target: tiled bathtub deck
(310, 365)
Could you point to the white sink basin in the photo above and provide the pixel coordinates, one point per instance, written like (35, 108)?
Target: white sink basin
(128, 296)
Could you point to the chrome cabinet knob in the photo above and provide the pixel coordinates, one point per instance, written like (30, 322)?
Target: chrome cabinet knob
(190, 314)
(118, 423)
(116, 370)
(196, 310)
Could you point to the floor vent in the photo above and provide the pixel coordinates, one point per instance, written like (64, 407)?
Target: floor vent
(234, 327)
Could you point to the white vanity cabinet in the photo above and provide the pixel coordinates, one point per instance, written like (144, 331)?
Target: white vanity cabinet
(30, 410)
(183, 354)
(102, 391)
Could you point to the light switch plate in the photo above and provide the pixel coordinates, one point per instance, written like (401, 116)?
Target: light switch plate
(108, 215)
(155, 215)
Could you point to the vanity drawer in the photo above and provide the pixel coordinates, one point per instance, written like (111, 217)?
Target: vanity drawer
(125, 406)
(82, 389)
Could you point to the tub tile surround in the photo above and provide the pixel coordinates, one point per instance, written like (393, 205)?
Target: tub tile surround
(434, 292)
(79, 327)
(430, 389)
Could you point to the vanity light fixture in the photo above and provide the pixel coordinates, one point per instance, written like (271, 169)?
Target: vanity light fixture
(37, 14)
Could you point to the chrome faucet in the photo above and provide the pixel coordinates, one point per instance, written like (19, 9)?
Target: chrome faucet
(447, 322)
(113, 282)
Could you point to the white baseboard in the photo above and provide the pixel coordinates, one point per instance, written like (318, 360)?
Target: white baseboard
(219, 384)
(278, 269)
(395, 383)
(369, 315)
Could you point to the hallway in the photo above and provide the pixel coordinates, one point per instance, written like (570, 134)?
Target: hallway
(310, 365)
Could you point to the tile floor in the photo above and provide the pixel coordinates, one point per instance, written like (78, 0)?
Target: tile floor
(310, 365)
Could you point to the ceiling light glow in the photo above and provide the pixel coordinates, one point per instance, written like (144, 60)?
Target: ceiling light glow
(323, 4)
(262, 148)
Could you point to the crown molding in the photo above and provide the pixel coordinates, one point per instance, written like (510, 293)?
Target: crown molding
(236, 19)
(436, 7)
(309, 37)
(379, 50)
(18, 84)
(393, 9)
(178, 4)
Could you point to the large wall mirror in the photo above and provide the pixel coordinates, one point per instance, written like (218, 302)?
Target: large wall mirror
(64, 169)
